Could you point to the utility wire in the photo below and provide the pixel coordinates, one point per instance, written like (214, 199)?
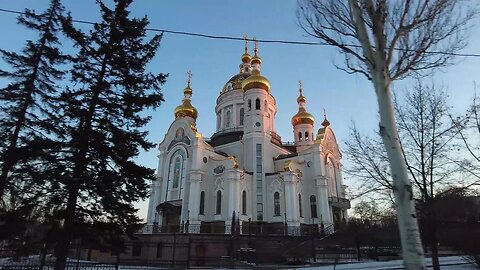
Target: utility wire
(278, 41)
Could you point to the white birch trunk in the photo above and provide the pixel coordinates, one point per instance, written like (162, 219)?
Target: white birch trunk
(412, 251)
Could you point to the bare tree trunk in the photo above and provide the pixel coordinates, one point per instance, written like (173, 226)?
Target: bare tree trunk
(402, 189)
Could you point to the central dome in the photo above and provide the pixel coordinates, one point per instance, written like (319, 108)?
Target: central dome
(302, 117)
(235, 82)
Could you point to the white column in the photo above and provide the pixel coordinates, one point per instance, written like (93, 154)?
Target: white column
(233, 182)
(222, 119)
(291, 199)
(322, 195)
(234, 121)
(194, 196)
(151, 206)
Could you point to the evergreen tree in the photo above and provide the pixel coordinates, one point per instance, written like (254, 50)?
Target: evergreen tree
(27, 118)
(103, 122)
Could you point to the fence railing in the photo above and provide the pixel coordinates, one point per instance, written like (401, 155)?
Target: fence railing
(243, 229)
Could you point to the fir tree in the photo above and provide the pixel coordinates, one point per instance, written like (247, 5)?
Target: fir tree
(104, 124)
(27, 118)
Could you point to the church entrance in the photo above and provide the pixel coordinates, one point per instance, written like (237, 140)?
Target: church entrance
(171, 213)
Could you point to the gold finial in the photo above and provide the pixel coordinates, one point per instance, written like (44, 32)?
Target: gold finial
(255, 46)
(245, 38)
(300, 97)
(189, 73)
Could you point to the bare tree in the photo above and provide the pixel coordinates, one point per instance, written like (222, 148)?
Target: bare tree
(468, 127)
(386, 41)
(428, 140)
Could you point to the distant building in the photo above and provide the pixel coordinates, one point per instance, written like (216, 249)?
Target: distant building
(244, 169)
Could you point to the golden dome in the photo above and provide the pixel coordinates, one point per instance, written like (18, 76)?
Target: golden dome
(256, 81)
(186, 109)
(301, 98)
(235, 82)
(321, 134)
(256, 59)
(325, 122)
(246, 58)
(303, 117)
(187, 90)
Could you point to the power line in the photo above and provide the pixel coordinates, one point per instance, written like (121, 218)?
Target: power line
(277, 41)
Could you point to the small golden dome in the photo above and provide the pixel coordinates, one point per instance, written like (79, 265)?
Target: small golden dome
(246, 58)
(186, 109)
(301, 98)
(325, 122)
(256, 59)
(187, 90)
(321, 134)
(303, 117)
(256, 81)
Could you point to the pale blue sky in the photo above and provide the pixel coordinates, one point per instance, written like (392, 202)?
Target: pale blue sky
(345, 97)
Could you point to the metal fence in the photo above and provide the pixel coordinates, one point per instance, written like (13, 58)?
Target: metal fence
(244, 229)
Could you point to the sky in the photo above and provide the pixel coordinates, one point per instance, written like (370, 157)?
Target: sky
(346, 98)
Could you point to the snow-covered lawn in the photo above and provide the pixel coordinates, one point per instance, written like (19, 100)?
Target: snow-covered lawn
(450, 263)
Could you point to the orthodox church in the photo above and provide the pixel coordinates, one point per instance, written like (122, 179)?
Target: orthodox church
(245, 171)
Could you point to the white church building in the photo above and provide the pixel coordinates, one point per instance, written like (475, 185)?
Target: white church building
(245, 170)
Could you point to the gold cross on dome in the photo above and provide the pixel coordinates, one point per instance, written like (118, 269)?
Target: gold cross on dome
(189, 73)
(245, 37)
(255, 45)
(300, 87)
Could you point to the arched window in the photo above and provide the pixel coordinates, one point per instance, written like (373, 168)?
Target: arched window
(202, 203)
(265, 107)
(306, 136)
(300, 204)
(249, 104)
(228, 120)
(242, 115)
(176, 173)
(299, 136)
(219, 122)
(244, 202)
(257, 104)
(276, 204)
(218, 209)
(313, 206)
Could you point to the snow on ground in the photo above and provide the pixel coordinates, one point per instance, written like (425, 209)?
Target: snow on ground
(447, 263)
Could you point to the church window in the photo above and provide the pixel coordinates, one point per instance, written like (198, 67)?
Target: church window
(300, 204)
(242, 115)
(306, 136)
(244, 202)
(218, 209)
(249, 104)
(299, 136)
(313, 206)
(202, 203)
(176, 172)
(276, 204)
(228, 120)
(219, 122)
(265, 106)
(257, 104)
